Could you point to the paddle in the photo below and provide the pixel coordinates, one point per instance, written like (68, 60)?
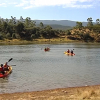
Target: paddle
(13, 65)
(10, 59)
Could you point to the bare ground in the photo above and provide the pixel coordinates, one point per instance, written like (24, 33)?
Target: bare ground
(72, 93)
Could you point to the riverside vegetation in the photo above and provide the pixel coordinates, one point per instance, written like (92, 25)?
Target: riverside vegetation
(27, 30)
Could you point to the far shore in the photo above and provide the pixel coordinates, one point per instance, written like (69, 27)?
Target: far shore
(38, 41)
(71, 93)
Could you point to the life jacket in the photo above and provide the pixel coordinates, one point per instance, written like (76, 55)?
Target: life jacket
(1, 69)
(5, 65)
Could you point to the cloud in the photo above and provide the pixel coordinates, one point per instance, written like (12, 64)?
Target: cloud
(3, 4)
(63, 3)
(27, 4)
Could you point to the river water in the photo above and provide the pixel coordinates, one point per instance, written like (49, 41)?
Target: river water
(36, 70)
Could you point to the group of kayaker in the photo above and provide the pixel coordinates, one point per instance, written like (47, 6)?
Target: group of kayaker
(68, 51)
(3, 68)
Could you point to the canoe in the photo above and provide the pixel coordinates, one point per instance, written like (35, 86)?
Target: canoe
(69, 53)
(6, 73)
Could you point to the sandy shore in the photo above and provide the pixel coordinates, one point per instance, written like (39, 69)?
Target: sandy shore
(72, 93)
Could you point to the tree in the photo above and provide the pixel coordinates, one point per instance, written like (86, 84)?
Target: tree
(41, 25)
(98, 21)
(21, 19)
(79, 24)
(68, 32)
(29, 22)
(90, 23)
(13, 20)
(5, 26)
(19, 29)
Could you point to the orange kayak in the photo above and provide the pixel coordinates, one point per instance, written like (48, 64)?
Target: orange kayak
(69, 53)
(6, 73)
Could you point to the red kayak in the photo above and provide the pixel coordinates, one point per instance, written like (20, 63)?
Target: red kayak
(6, 73)
(46, 49)
(69, 53)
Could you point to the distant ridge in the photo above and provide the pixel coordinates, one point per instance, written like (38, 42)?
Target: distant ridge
(59, 22)
(60, 27)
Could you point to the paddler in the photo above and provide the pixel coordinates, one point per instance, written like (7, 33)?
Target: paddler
(2, 69)
(68, 51)
(5, 66)
(71, 51)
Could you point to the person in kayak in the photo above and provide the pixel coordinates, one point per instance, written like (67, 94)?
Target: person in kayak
(5, 66)
(71, 51)
(2, 69)
(68, 51)
(47, 49)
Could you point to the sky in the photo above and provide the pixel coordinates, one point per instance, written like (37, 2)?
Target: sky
(74, 10)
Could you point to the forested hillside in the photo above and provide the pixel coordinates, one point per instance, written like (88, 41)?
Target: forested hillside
(27, 29)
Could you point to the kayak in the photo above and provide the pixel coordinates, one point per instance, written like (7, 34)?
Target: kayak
(69, 53)
(46, 49)
(6, 73)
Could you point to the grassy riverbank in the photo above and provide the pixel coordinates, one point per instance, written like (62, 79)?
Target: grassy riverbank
(54, 40)
(73, 93)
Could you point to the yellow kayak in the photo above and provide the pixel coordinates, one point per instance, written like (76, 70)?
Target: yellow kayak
(72, 54)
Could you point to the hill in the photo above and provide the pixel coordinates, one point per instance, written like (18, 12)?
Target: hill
(59, 22)
(57, 26)
(60, 27)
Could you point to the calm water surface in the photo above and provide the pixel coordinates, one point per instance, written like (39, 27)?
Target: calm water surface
(37, 70)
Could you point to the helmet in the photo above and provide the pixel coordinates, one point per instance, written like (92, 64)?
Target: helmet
(1, 65)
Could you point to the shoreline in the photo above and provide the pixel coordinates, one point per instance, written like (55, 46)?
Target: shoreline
(40, 41)
(71, 93)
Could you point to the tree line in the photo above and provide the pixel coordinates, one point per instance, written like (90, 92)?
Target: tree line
(28, 30)
(24, 29)
(91, 32)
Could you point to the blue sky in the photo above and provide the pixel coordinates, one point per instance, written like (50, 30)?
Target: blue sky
(75, 10)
